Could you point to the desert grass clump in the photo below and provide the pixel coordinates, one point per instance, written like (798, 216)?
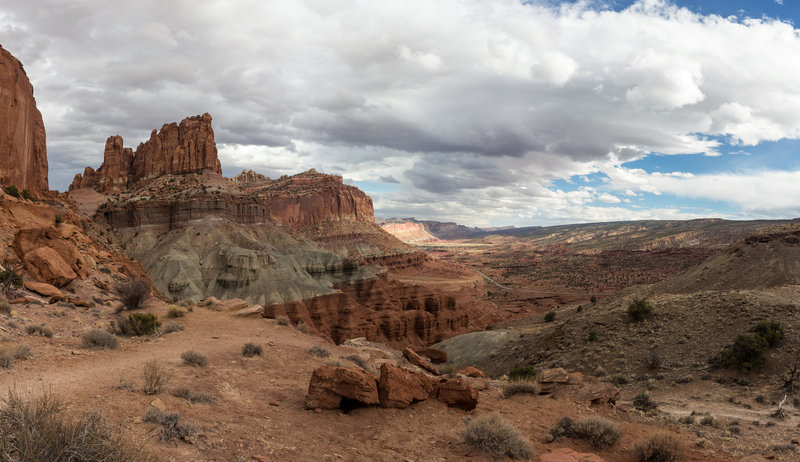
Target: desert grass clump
(172, 326)
(522, 373)
(171, 426)
(319, 352)
(639, 309)
(11, 353)
(283, 321)
(5, 307)
(99, 339)
(520, 387)
(360, 362)
(175, 312)
(155, 378)
(193, 358)
(597, 431)
(250, 349)
(39, 428)
(659, 447)
(497, 438)
(40, 330)
(549, 316)
(133, 292)
(302, 327)
(192, 396)
(709, 421)
(643, 402)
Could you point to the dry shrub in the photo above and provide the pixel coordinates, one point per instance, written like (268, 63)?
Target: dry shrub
(175, 312)
(360, 362)
(599, 432)
(496, 437)
(520, 387)
(133, 292)
(40, 330)
(302, 327)
(38, 429)
(193, 358)
(192, 396)
(99, 339)
(155, 377)
(283, 321)
(643, 402)
(11, 353)
(251, 349)
(171, 327)
(319, 352)
(659, 447)
(172, 427)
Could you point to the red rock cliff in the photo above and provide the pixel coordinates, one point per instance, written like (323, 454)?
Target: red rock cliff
(188, 147)
(23, 154)
(311, 198)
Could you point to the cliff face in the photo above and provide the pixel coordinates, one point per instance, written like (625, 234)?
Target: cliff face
(184, 148)
(23, 154)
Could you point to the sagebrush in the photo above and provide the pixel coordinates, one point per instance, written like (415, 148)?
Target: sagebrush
(496, 437)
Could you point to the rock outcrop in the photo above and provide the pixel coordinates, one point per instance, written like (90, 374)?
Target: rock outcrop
(381, 310)
(23, 153)
(330, 385)
(249, 178)
(175, 149)
(399, 387)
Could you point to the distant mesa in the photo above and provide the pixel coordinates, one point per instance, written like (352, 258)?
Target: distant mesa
(187, 147)
(23, 153)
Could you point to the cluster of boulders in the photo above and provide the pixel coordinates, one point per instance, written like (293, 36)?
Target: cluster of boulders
(336, 387)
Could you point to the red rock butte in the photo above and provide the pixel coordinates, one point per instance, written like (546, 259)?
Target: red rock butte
(177, 148)
(23, 152)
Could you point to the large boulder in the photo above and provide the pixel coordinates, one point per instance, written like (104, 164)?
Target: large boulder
(42, 288)
(46, 265)
(457, 393)
(419, 361)
(330, 385)
(436, 355)
(399, 387)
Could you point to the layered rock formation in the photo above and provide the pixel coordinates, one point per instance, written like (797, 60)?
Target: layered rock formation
(23, 153)
(249, 178)
(188, 147)
(381, 310)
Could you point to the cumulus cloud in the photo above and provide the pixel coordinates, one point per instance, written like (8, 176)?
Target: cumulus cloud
(470, 104)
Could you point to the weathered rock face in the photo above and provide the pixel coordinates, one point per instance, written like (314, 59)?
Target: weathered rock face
(23, 153)
(51, 254)
(184, 148)
(311, 198)
(399, 387)
(330, 385)
(381, 310)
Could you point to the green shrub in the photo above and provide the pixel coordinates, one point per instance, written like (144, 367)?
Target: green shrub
(745, 354)
(40, 330)
(38, 429)
(12, 191)
(660, 447)
(593, 299)
(771, 331)
(520, 387)
(639, 309)
(59, 219)
(155, 377)
(9, 279)
(100, 339)
(193, 358)
(549, 316)
(251, 349)
(592, 336)
(25, 194)
(138, 324)
(522, 373)
(599, 432)
(496, 437)
(643, 402)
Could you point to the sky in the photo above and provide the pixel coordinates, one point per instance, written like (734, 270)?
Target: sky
(483, 112)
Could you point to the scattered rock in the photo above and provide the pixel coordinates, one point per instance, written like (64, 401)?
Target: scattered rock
(569, 455)
(457, 393)
(330, 385)
(255, 310)
(158, 404)
(470, 371)
(418, 360)
(42, 288)
(400, 387)
(436, 355)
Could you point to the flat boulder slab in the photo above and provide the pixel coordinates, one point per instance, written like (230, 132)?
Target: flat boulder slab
(45, 289)
(46, 265)
(474, 372)
(331, 385)
(255, 311)
(419, 361)
(399, 387)
(569, 455)
(436, 355)
(234, 304)
(457, 393)
(556, 379)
